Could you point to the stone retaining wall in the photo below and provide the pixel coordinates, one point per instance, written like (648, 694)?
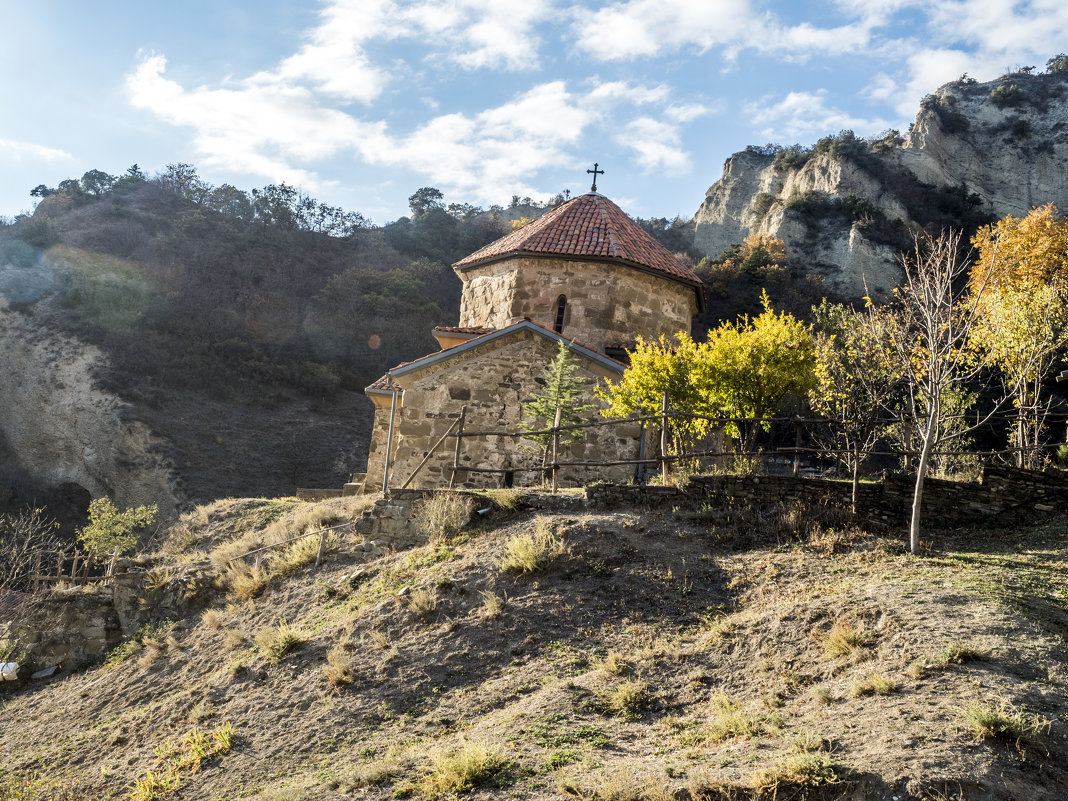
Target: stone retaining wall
(1004, 495)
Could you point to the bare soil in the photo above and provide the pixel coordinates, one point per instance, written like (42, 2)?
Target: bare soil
(661, 656)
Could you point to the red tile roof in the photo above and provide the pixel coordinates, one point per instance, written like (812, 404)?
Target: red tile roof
(589, 226)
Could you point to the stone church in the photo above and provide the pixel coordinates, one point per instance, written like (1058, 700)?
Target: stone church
(583, 273)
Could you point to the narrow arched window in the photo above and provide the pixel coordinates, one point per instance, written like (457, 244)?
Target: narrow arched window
(561, 307)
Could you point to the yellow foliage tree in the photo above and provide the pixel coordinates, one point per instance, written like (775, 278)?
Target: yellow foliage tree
(1023, 312)
(752, 365)
(743, 371)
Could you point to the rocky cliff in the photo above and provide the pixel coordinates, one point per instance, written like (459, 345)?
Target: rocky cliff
(846, 207)
(64, 429)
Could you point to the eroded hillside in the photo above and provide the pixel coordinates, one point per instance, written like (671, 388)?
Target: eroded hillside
(637, 655)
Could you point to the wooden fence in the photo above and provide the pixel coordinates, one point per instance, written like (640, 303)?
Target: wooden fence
(801, 428)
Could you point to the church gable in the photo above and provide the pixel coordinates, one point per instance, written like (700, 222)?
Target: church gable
(491, 377)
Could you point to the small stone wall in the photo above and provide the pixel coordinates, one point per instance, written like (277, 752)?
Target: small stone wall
(1004, 494)
(75, 626)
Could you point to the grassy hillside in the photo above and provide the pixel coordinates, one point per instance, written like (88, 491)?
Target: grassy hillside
(636, 655)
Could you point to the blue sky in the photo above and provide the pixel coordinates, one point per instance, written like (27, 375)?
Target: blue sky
(361, 102)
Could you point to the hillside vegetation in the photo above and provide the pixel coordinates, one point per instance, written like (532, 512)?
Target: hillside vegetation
(241, 327)
(554, 651)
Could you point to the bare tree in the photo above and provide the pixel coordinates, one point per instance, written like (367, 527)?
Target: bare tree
(933, 350)
(28, 539)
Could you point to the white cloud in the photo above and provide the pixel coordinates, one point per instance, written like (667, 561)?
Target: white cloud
(647, 27)
(656, 144)
(252, 126)
(806, 115)
(14, 151)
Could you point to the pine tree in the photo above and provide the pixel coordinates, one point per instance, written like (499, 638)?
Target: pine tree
(564, 390)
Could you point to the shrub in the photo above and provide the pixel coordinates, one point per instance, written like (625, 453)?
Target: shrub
(109, 529)
(730, 719)
(246, 582)
(301, 553)
(873, 684)
(526, 553)
(957, 653)
(277, 642)
(442, 515)
(422, 603)
(801, 770)
(492, 604)
(1006, 94)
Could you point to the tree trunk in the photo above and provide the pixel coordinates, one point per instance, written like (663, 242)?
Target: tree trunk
(856, 475)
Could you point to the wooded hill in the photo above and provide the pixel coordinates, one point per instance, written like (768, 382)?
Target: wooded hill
(241, 326)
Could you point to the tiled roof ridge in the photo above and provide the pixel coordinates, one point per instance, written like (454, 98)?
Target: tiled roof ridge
(588, 226)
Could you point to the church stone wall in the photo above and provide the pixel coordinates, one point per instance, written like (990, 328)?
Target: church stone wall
(608, 305)
(492, 381)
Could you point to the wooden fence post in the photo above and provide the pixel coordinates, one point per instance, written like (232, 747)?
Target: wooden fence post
(111, 565)
(456, 451)
(663, 440)
(322, 543)
(797, 446)
(74, 569)
(556, 447)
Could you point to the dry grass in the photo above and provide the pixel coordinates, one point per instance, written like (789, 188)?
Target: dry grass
(213, 619)
(1002, 722)
(443, 515)
(291, 558)
(234, 638)
(245, 582)
(277, 642)
(872, 684)
(627, 700)
(338, 667)
(492, 604)
(843, 639)
(459, 770)
(527, 553)
(422, 603)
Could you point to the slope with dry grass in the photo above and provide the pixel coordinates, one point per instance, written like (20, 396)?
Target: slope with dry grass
(629, 655)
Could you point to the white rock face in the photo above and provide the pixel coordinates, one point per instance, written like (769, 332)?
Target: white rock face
(63, 428)
(1013, 156)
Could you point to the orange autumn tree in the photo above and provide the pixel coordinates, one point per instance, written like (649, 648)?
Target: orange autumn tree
(1023, 313)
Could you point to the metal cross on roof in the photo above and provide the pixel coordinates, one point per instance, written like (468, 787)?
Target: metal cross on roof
(595, 172)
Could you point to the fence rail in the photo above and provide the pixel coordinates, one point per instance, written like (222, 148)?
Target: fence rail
(802, 426)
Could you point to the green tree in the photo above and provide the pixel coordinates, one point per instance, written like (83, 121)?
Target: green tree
(97, 182)
(854, 384)
(563, 389)
(424, 199)
(108, 528)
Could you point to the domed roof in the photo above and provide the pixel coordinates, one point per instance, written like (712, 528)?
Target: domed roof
(587, 227)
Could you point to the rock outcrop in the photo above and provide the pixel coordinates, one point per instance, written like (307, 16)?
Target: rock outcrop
(846, 207)
(62, 428)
